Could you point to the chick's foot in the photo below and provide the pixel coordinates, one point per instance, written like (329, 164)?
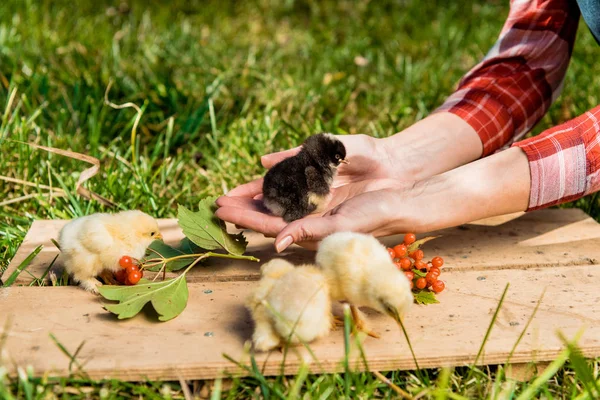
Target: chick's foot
(90, 285)
(360, 323)
(337, 322)
(108, 277)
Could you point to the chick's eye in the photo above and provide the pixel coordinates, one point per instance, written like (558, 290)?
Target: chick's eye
(337, 156)
(152, 233)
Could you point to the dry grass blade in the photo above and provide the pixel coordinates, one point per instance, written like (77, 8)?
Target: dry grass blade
(84, 176)
(395, 388)
(31, 184)
(30, 196)
(187, 394)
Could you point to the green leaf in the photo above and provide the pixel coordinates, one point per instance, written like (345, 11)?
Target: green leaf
(420, 242)
(207, 231)
(425, 297)
(419, 273)
(169, 298)
(160, 250)
(189, 247)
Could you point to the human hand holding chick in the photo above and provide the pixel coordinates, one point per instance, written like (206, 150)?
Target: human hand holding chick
(94, 244)
(371, 168)
(368, 197)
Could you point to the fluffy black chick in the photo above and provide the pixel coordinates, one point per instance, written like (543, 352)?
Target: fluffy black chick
(300, 185)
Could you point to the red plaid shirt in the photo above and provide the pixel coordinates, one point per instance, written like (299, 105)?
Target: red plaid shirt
(511, 89)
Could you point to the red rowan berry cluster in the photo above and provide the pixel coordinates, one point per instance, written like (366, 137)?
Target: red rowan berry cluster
(131, 273)
(420, 273)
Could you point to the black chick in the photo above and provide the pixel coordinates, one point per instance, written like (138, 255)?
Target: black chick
(300, 185)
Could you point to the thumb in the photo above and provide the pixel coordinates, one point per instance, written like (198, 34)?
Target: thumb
(311, 229)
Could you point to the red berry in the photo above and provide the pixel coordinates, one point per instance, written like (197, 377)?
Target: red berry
(398, 265)
(134, 277)
(391, 252)
(400, 250)
(132, 268)
(410, 275)
(121, 276)
(435, 271)
(409, 238)
(125, 261)
(405, 263)
(430, 278)
(438, 286)
(417, 255)
(437, 262)
(421, 283)
(421, 265)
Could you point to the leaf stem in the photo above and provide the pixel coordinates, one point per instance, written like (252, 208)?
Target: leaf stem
(198, 256)
(233, 256)
(205, 255)
(196, 261)
(202, 256)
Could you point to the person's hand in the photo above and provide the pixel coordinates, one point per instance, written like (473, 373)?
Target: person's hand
(496, 185)
(431, 146)
(370, 168)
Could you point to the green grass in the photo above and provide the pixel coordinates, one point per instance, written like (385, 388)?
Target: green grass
(219, 84)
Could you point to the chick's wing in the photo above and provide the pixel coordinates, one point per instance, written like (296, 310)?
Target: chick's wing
(95, 237)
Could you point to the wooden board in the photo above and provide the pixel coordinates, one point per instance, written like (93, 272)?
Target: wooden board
(553, 250)
(544, 238)
(216, 323)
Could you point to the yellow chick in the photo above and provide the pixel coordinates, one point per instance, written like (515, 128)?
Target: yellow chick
(94, 244)
(360, 272)
(290, 305)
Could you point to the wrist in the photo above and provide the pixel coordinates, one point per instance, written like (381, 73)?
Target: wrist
(496, 185)
(436, 144)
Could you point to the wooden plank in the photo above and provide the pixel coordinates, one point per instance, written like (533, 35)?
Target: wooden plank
(544, 238)
(215, 323)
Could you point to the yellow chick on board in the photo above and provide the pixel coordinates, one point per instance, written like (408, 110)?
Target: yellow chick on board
(359, 271)
(94, 244)
(290, 305)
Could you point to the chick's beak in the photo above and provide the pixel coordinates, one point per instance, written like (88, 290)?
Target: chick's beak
(393, 312)
(158, 236)
(344, 161)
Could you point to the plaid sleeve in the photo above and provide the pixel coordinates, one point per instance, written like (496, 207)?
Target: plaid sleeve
(564, 161)
(511, 89)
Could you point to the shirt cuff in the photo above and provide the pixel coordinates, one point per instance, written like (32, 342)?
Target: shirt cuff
(486, 115)
(558, 166)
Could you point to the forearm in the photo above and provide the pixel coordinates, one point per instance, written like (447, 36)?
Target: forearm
(502, 97)
(436, 144)
(495, 185)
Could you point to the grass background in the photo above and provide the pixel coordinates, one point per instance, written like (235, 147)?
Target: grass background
(221, 83)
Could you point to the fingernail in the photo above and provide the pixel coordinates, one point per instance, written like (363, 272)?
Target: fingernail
(284, 244)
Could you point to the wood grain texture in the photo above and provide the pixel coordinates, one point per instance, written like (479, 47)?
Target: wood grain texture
(544, 238)
(216, 323)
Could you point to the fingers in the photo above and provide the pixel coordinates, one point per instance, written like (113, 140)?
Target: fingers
(250, 189)
(251, 219)
(242, 202)
(271, 159)
(309, 230)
